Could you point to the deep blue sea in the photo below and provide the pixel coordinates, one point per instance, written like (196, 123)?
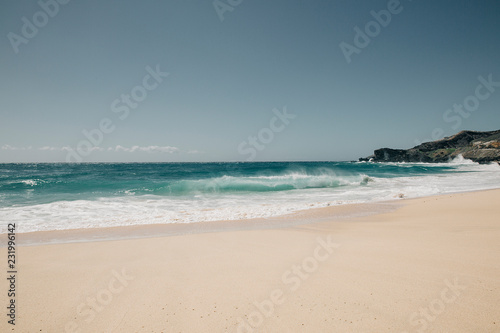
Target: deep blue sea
(45, 196)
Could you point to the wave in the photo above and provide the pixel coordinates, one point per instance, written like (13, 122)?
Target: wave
(91, 196)
(287, 182)
(46, 183)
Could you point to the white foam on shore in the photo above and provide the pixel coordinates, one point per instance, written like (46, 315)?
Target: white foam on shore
(152, 209)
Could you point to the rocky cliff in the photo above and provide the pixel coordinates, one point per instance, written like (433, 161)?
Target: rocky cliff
(482, 147)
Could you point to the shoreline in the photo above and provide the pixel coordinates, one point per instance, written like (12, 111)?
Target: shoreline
(88, 217)
(302, 217)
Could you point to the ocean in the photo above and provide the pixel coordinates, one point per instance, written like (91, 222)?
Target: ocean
(58, 196)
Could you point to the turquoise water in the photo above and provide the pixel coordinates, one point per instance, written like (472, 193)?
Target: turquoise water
(65, 196)
(26, 184)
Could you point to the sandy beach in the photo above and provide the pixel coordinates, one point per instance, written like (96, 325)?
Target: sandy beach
(427, 265)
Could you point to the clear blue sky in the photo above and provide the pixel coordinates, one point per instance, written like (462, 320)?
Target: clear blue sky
(226, 77)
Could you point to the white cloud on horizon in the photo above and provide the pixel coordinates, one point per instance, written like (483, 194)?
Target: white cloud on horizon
(118, 148)
(66, 148)
(149, 149)
(9, 147)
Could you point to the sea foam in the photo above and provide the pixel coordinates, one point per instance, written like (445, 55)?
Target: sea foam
(73, 197)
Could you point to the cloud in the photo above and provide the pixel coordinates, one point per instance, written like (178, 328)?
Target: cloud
(49, 148)
(118, 148)
(66, 148)
(149, 149)
(9, 147)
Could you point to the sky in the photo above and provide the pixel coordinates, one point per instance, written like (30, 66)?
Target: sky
(242, 80)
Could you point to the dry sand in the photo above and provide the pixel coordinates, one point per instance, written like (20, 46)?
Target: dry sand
(432, 265)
